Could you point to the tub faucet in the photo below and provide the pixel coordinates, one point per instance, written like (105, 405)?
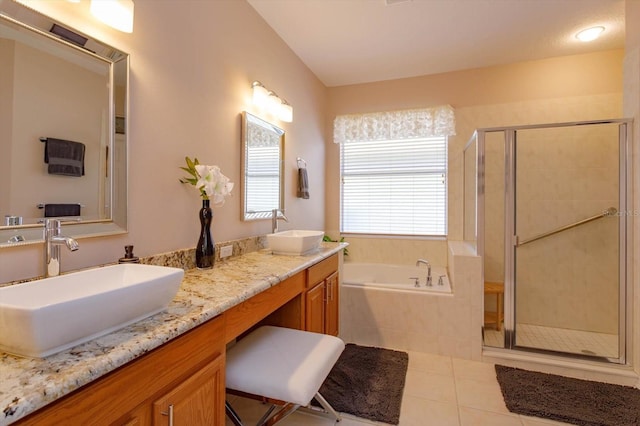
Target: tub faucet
(426, 262)
(275, 215)
(52, 242)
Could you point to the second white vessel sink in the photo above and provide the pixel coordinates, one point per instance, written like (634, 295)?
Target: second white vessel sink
(295, 242)
(43, 317)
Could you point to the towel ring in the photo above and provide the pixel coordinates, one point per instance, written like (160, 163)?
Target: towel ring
(298, 160)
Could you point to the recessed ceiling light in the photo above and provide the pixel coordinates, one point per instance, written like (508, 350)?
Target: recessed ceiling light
(590, 34)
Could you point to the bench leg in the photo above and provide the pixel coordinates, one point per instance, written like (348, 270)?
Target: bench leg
(231, 413)
(281, 414)
(327, 406)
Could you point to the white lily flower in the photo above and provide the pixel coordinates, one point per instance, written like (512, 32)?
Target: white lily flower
(215, 184)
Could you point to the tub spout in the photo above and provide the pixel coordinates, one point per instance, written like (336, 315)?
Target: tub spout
(426, 262)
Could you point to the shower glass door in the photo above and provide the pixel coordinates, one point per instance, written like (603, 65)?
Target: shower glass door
(568, 258)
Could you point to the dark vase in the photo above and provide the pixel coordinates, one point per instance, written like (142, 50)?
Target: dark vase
(205, 250)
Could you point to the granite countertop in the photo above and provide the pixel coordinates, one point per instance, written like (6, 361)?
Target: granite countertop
(28, 384)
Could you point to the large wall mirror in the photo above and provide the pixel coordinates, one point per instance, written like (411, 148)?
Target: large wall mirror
(262, 163)
(63, 129)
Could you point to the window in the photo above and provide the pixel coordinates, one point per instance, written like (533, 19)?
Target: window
(394, 187)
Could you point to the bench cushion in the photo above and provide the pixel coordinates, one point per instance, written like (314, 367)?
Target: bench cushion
(282, 363)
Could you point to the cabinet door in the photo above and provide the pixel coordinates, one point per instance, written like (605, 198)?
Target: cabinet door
(332, 305)
(314, 309)
(197, 401)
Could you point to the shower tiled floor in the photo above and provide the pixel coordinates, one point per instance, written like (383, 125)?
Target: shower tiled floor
(558, 339)
(439, 391)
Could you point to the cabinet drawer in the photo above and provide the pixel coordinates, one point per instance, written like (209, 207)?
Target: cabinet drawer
(321, 270)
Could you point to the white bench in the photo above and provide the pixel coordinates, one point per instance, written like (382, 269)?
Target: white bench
(283, 366)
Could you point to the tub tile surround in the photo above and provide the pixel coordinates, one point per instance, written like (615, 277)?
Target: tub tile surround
(29, 384)
(434, 323)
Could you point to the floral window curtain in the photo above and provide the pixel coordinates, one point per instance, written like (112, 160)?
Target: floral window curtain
(393, 125)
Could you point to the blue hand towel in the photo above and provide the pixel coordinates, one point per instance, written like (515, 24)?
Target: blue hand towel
(64, 157)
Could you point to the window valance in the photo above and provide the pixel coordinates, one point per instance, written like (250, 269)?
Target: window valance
(404, 124)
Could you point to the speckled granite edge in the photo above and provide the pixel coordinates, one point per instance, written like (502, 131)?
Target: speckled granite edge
(29, 384)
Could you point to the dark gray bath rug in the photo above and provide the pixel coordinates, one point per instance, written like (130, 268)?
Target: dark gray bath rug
(367, 382)
(575, 401)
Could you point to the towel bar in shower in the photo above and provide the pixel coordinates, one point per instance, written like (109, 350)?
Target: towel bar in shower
(609, 212)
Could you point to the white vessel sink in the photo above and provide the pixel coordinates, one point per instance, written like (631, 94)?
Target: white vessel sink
(294, 242)
(40, 318)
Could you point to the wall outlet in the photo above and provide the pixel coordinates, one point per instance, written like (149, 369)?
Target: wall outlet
(226, 251)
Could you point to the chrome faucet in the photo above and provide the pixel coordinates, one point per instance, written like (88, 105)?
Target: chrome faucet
(426, 262)
(52, 242)
(275, 215)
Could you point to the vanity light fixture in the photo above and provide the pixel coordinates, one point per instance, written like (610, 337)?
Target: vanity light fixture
(115, 13)
(270, 101)
(286, 112)
(260, 94)
(590, 34)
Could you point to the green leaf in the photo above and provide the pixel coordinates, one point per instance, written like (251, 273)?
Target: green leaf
(190, 163)
(191, 172)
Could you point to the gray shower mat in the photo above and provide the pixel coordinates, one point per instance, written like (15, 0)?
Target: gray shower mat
(575, 401)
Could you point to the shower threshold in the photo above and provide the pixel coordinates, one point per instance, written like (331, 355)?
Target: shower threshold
(558, 340)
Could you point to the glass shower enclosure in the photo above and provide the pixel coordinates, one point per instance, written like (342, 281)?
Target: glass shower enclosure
(546, 206)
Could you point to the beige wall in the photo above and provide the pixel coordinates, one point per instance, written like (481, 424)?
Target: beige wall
(192, 66)
(632, 109)
(522, 93)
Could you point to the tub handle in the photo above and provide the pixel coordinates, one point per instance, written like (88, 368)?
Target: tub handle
(416, 282)
(440, 282)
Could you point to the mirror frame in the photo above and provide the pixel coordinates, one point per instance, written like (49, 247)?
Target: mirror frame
(266, 214)
(32, 21)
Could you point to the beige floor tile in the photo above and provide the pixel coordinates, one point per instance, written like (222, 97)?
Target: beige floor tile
(474, 370)
(423, 412)
(474, 417)
(351, 420)
(482, 395)
(537, 421)
(298, 418)
(430, 363)
(436, 387)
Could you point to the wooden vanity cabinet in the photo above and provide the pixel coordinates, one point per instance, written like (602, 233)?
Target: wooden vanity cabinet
(185, 377)
(186, 373)
(322, 297)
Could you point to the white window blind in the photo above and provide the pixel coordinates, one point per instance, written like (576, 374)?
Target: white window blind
(394, 187)
(263, 178)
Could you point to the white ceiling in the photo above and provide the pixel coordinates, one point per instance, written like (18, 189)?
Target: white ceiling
(357, 41)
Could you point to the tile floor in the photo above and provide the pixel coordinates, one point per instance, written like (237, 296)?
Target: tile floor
(439, 391)
(558, 339)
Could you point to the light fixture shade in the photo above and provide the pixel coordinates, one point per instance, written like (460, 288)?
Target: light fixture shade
(115, 13)
(590, 34)
(273, 103)
(260, 94)
(286, 112)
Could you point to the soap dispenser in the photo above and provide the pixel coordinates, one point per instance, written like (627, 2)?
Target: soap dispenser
(128, 256)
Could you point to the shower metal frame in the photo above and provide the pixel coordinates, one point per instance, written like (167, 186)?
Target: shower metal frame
(510, 240)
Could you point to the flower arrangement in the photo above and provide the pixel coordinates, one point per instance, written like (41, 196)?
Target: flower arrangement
(211, 183)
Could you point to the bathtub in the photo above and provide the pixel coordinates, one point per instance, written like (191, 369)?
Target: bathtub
(394, 277)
